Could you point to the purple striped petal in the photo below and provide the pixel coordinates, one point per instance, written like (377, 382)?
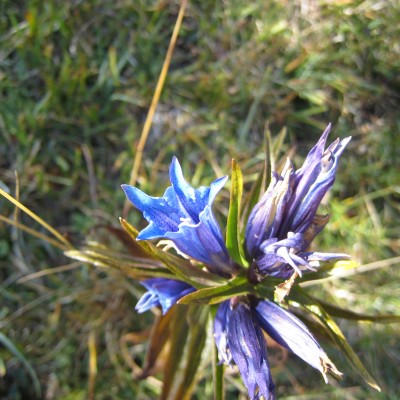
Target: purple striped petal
(291, 333)
(239, 338)
(312, 181)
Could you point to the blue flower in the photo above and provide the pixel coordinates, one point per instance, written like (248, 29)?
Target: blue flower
(239, 338)
(285, 221)
(278, 233)
(184, 215)
(162, 292)
(238, 327)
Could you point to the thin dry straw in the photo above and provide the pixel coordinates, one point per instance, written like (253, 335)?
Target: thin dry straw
(156, 97)
(45, 225)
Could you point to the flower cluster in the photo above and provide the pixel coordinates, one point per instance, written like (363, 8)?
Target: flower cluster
(278, 233)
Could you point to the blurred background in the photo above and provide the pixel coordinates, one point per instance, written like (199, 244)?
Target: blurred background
(76, 82)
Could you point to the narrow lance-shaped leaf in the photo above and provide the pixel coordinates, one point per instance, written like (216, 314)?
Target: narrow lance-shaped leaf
(235, 287)
(233, 240)
(132, 246)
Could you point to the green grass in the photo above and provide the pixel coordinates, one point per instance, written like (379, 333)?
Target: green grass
(76, 81)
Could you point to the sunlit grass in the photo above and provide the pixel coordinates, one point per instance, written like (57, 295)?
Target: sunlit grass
(76, 83)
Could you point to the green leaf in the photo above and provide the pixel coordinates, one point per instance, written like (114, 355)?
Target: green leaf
(266, 288)
(235, 287)
(131, 245)
(238, 286)
(330, 326)
(233, 240)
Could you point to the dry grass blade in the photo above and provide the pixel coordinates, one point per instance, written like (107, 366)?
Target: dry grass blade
(33, 232)
(45, 225)
(49, 271)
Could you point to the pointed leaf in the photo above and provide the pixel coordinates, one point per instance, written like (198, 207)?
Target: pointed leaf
(235, 287)
(233, 240)
(131, 245)
(328, 271)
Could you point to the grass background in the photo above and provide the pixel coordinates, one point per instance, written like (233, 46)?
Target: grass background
(76, 82)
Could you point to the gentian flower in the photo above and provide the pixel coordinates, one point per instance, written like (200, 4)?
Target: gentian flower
(184, 215)
(278, 233)
(238, 327)
(162, 292)
(285, 221)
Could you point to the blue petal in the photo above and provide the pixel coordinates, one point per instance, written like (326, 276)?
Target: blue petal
(282, 225)
(162, 217)
(309, 204)
(146, 302)
(193, 201)
(290, 332)
(199, 242)
(310, 169)
(184, 215)
(162, 292)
